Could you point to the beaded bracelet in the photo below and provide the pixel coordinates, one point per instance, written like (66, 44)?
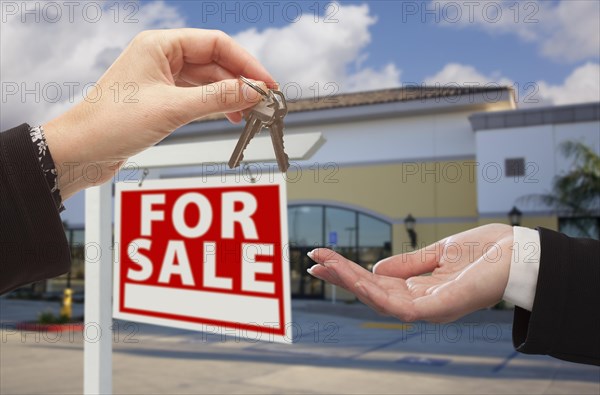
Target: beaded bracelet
(47, 164)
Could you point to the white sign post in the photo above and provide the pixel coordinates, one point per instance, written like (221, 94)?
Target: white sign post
(98, 237)
(97, 335)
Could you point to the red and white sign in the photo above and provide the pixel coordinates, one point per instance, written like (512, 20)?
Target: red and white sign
(203, 254)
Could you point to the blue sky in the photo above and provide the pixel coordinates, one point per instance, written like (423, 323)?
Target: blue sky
(549, 47)
(422, 43)
(421, 48)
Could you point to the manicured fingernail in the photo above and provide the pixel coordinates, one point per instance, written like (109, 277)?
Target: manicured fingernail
(310, 270)
(374, 269)
(311, 254)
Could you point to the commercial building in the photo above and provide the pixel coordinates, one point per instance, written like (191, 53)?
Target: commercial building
(451, 158)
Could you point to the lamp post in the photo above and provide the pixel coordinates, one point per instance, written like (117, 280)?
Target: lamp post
(409, 223)
(514, 216)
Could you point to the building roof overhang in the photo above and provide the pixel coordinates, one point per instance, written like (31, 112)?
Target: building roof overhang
(573, 113)
(361, 106)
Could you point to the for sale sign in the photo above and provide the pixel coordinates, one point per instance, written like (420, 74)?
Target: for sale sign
(204, 253)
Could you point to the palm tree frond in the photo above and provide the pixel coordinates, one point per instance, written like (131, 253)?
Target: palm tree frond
(578, 191)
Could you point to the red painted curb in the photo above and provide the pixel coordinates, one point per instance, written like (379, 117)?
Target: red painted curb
(37, 327)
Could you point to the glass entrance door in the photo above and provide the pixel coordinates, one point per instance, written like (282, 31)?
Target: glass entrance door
(359, 237)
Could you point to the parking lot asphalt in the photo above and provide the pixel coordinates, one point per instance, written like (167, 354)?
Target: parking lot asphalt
(341, 348)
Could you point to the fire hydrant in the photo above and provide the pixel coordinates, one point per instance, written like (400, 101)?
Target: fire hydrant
(66, 310)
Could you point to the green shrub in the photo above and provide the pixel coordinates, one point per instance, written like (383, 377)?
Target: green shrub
(48, 317)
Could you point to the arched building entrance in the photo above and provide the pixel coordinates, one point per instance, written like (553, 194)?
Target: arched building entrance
(358, 236)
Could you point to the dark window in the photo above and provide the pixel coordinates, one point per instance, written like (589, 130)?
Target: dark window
(514, 167)
(374, 240)
(340, 228)
(305, 226)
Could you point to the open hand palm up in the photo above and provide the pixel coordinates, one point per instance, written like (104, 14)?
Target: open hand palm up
(468, 270)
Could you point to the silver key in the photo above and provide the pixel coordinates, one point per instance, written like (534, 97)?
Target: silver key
(259, 116)
(276, 129)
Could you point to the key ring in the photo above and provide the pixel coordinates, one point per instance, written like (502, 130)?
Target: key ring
(253, 86)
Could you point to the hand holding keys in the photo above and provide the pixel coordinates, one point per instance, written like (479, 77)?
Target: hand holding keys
(269, 113)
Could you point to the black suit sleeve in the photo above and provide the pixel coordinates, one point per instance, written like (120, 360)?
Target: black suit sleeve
(33, 245)
(565, 318)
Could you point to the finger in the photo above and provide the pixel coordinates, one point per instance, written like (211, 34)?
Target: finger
(196, 77)
(235, 117)
(336, 262)
(340, 271)
(325, 273)
(204, 74)
(412, 263)
(347, 271)
(226, 96)
(320, 255)
(384, 282)
(205, 46)
(321, 272)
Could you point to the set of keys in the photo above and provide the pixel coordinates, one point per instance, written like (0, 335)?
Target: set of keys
(268, 113)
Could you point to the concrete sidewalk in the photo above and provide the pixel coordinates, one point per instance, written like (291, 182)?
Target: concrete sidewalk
(339, 349)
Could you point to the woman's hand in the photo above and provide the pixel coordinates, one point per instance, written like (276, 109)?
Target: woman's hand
(469, 271)
(164, 79)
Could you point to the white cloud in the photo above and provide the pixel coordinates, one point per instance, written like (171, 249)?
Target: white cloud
(68, 52)
(582, 85)
(369, 79)
(564, 31)
(306, 53)
(576, 31)
(463, 75)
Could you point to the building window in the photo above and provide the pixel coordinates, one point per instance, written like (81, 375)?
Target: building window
(360, 237)
(302, 229)
(374, 240)
(514, 167)
(341, 230)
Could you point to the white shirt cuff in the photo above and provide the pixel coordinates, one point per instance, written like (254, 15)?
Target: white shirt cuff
(524, 268)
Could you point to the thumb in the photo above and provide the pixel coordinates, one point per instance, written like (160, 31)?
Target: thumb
(226, 96)
(410, 264)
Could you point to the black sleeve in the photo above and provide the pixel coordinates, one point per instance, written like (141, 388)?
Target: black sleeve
(33, 245)
(565, 318)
